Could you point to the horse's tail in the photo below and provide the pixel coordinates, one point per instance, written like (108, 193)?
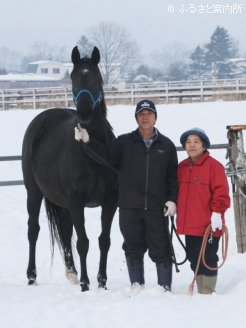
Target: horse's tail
(54, 214)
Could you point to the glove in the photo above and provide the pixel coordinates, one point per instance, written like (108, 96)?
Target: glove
(216, 221)
(171, 209)
(81, 134)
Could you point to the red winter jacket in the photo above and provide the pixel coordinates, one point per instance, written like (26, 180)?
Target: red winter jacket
(203, 189)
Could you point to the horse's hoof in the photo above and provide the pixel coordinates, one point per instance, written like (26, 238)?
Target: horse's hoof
(101, 281)
(32, 282)
(84, 287)
(72, 277)
(102, 286)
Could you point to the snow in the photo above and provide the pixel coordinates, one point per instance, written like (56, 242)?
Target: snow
(27, 77)
(56, 303)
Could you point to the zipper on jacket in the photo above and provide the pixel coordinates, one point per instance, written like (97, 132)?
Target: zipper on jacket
(190, 165)
(186, 202)
(146, 180)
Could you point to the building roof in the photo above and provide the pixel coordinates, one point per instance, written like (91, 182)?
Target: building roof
(45, 62)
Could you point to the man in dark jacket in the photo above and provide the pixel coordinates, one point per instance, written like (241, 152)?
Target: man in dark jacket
(147, 162)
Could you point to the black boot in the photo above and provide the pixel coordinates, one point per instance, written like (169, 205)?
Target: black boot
(136, 271)
(164, 275)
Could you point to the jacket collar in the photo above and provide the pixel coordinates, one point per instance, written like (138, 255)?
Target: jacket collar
(137, 136)
(200, 160)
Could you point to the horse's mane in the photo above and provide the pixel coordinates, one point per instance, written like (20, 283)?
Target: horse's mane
(103, 110)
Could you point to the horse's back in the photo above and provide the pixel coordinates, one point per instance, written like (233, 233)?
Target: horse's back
(47, 119)
(39, 131)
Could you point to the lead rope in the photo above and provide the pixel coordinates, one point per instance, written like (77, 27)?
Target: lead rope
(209, 233)
(173, 229)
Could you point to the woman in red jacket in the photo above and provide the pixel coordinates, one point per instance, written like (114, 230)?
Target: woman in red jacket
(202, 200)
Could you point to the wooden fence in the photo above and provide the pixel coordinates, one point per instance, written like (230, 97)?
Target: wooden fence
(160, 92)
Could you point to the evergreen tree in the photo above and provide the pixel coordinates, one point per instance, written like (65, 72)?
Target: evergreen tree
(224, 70)
(177, 71)
(3, 71)
(198, 66)
(85, 46)
(219, 50)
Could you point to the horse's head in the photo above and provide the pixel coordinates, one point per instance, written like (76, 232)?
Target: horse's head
(86, 84)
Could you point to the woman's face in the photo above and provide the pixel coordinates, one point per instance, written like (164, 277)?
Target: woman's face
(194, 147)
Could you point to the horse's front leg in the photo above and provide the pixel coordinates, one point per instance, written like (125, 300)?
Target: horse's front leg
(77, 215)
(108, 211)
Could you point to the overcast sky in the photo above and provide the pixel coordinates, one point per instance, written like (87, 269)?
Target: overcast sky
(62, 22)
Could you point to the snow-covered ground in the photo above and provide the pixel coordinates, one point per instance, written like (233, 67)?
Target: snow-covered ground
(56, 303)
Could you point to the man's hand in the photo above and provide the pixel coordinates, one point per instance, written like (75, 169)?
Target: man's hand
(171, 208)
(216, 221)
(81, 134)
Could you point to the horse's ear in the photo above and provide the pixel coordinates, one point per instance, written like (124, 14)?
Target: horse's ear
(95, 56)
(75, 55)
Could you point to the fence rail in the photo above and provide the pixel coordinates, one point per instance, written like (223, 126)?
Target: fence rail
(18, 158)
(160, 92)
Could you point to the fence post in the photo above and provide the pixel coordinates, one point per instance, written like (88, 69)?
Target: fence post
(132, 93)
(237, 89)
(66, 96)
(34, 99)
(3, 100)
(166, 90)
(201, 91)
(237, 165)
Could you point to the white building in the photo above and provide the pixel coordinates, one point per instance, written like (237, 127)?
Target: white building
(48, 68)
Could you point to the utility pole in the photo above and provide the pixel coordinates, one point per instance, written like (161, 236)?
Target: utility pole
(237, 172)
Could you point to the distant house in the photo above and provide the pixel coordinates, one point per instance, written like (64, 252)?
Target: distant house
(44, 73)
(48, 68)
(40, 73)
(61, 70)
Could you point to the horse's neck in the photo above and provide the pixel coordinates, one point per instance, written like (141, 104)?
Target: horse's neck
(101, 129)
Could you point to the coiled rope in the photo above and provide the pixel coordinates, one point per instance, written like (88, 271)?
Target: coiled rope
(209, 233)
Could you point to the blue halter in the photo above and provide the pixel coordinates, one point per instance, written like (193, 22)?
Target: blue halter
(94, 100)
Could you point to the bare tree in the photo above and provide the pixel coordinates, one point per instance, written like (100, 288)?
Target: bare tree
(44, 51)
(169, 54)
(9, 59)
(119, 54)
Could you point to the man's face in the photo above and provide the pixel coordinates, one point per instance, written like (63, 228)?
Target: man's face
(146, 119)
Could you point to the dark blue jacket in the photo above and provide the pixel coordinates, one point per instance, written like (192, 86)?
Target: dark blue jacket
(147, 177)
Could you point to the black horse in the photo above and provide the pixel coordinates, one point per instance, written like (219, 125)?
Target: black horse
(59, 169)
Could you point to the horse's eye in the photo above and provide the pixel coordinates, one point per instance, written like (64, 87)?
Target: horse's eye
(85, 71)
